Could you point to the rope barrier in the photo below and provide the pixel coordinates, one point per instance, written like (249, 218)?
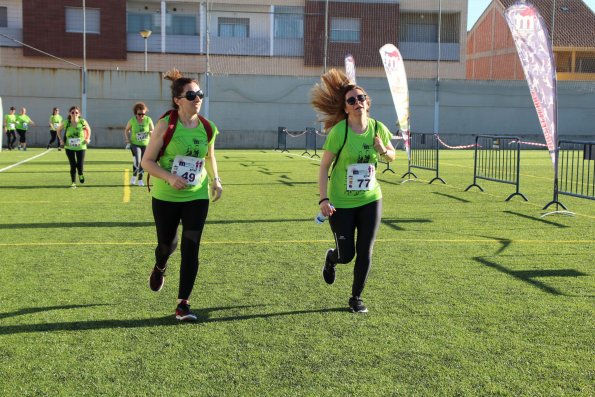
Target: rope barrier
(454, 147)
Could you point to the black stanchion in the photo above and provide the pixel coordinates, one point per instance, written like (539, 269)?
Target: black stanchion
(282, 139)
(311, 142)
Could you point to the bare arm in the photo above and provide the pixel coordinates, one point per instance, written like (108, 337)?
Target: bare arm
(387, 151)
(325, 164)
(213, 173)
(127, 131)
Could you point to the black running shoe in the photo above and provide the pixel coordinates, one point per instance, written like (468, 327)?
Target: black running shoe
(356, 305)
(328, 270)
(81, 178)
(183, 312)
(156, 279)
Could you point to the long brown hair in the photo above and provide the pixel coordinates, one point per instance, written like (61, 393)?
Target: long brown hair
(328, 97)
(177, 85)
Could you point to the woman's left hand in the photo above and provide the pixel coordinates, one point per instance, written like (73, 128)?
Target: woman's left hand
(216, 190)
(378, 145)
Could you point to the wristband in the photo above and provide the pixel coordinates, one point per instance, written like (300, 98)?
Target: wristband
(324, 199)
(217, 179)
(385, 152)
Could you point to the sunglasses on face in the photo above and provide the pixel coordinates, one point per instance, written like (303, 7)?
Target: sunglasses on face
(140, 114)
(74, 113)
(191, 95)
(352, 99)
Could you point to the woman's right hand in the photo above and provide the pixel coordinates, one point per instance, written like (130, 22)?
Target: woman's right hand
(326, 208)
(177, 182)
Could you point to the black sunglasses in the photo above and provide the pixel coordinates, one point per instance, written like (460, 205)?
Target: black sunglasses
(140, 114)
(191, 95)
(352, 99)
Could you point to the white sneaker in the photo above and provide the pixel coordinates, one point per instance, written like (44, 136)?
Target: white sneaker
(133, 180)
(141, 183)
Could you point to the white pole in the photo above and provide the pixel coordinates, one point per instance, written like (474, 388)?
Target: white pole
(325, 34)
(437, 94)
(1, 118)
(84, 82)
(208, 72)
(146, 63)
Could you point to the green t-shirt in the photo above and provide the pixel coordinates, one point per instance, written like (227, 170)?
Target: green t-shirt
(358, 149)
(10, 120)
(185, 142)
(55, 121)
(74, 136)
(139, 133)
(23, 122)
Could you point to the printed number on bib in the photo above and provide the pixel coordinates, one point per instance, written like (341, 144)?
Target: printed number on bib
(11, 126)
(189, 168)
(141, 136)
(74, 141)
(56, 125)
(25, 125)
(361, 176)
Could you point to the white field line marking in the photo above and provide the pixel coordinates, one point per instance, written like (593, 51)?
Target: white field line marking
(24, 161)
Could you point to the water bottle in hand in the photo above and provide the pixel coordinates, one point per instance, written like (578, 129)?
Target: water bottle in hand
(321, 218)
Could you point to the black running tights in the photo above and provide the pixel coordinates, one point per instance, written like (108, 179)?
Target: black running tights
(76, 158)
(168, 215)
(344, 223)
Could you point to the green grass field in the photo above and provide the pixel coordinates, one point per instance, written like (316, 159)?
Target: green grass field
(469, 295)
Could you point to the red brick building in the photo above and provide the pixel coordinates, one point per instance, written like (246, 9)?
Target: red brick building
(491, 53)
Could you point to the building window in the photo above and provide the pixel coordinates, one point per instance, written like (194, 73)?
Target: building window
(289, 22)
(3, 17)
(184, 25)
(137, 22)
(422, 33)
(74, 20)
(233, 27)
(345, 30)
(585, 63)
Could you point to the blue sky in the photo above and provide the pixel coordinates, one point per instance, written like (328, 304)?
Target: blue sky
(476, 8)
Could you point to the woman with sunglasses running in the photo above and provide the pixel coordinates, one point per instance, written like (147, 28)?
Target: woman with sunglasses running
(137, 135)
(182, 169)
(74, 135)
(351, 195)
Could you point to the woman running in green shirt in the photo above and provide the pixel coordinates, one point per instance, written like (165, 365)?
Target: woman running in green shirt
(137, 135)
(23, 123)
(10, 128)
(74, 135)
(55, 122)
(351, 196)
(182, 170)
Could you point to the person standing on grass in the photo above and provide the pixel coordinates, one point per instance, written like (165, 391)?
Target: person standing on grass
(55, 122)
(137, 135)
(10, 128)
(182, 169)
(75, 135)
(351, 196)
(23, 123)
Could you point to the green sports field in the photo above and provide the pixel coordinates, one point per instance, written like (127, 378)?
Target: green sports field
(469, 295)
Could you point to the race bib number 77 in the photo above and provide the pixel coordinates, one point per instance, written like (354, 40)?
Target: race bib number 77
(361, 176)
(189, 168)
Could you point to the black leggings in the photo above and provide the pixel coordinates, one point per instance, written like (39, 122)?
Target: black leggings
(344, 222)
(22, 136)
(76, 158)
(54, 137)
(137, 155)
(11, 138)
(168, 215)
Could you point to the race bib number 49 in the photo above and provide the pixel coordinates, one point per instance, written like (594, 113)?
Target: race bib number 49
(361, 176)
(189, 168)
(74, 142)
(141, 136)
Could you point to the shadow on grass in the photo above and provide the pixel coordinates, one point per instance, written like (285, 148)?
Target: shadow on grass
(529, 276)
(462, 200)
(203, 318)
(535, 219)
(393, 223)
(31, 310)
(47, 225)
(503, 241)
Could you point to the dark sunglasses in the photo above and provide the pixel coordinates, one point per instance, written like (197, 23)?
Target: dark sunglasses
(352, 99)
(74, 112)
(140, 114)
(191, 95)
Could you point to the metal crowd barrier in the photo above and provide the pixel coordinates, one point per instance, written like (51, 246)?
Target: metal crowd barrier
(311, 142)
(425, 150)
(497, 159)
(282, 139)
(576, 171)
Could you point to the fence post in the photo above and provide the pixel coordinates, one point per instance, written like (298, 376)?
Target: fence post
(282, 139)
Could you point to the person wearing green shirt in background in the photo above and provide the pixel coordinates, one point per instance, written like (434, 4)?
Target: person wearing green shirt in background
(55, 122)
(10, 128)
(23, 122)
(137, 135)
(182, 170)
(74, 134)
(351, 196)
